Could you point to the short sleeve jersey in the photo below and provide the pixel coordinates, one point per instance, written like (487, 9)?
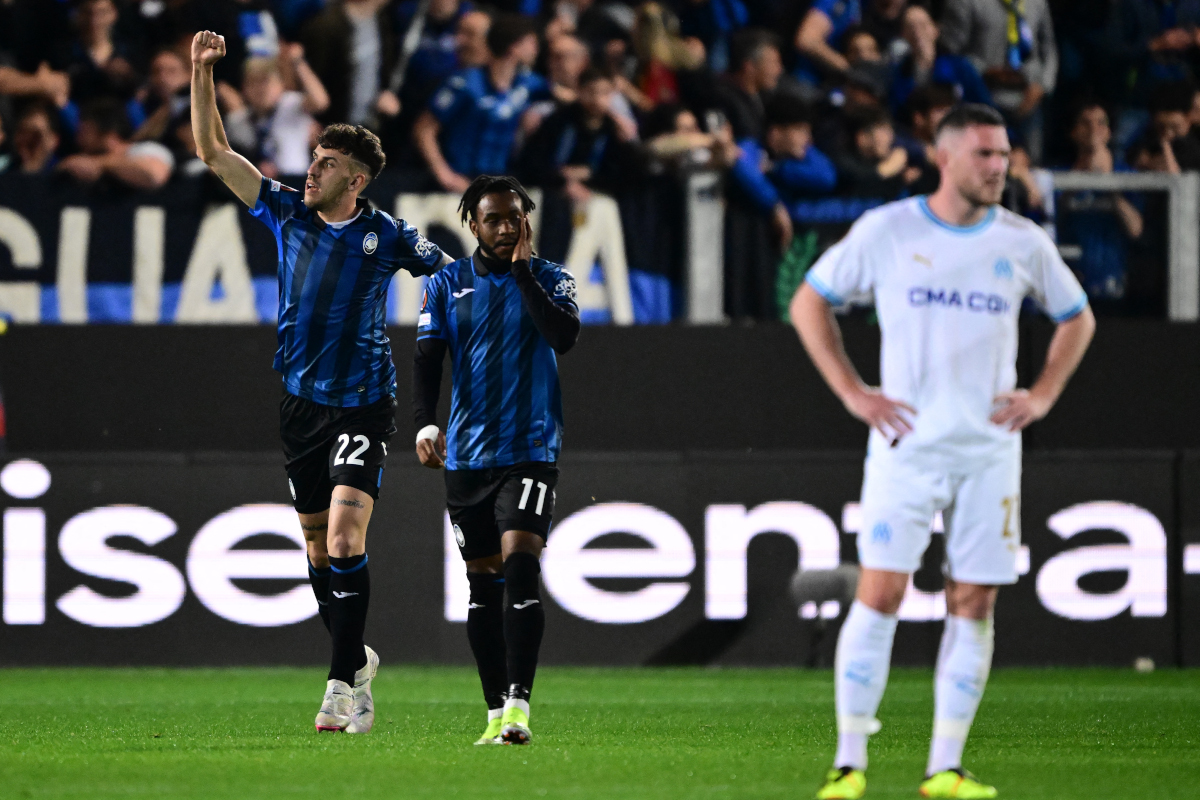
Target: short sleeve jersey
(948, 300)
(479, 122)
(506, 404)
(333, 282)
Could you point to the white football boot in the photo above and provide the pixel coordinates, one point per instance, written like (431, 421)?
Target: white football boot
(362, 718)
(336, 707)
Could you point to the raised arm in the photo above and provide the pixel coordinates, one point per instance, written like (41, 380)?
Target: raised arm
(211, 145)
(813, 318)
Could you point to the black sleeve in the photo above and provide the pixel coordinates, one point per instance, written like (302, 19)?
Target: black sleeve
(558, 324)
(427, 379)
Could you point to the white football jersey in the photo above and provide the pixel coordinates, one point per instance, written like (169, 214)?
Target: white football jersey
(948, 299)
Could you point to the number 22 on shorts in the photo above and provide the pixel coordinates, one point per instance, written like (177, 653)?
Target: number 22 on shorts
(541, 501)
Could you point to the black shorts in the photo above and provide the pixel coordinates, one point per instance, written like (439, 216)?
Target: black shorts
(484, 503)
(325, 446)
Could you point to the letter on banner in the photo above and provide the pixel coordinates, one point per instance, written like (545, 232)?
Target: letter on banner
(24, 544)
(218, 254)
(149, 237)
(728, 530)
(74, 232)
(84, 546)
(21, 300)
(213, 565)
(601, 236)
(567, 566)
(1144, 559)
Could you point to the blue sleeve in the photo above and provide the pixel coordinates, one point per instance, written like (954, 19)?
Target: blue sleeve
(974, 89)
(749, 176)
(432, 321)
(813, 173)
(560, 284)
(448, 101)
(276, 204)
(411, 251)
(539, 88)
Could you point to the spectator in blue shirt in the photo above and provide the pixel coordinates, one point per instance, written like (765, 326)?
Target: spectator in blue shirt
(766, 177)
(1100, 224)
(927, 63)
(472, 122)
(819, 39)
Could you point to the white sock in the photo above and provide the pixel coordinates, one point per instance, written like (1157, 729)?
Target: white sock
(514, 703)
(964, 660)
(864, 653)
(495, 713)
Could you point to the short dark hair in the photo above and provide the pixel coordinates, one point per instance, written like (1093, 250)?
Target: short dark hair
(506, 30)
(43, 107)
(746, 45)
(492, 184)
(867, 118)
(783, 109)
(929, 97)
(356, 142)
(108, 115)
(591, 75)
(969, 115)
(1171, 97)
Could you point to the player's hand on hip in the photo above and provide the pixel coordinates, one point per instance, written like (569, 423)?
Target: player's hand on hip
(1019, 409)
(207, 48)
(890, 417)
(432, 452)
(524, 249)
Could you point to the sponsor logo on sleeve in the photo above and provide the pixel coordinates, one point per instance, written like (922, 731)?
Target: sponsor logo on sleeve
(424, 319)
(423, 247)
(566, 286)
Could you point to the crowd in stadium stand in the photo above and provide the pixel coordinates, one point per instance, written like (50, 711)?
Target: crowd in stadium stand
(815, 110)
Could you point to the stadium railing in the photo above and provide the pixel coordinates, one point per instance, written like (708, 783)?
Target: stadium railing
(1183, 226)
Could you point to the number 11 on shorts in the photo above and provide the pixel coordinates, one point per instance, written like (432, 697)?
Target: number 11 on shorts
(525, 495)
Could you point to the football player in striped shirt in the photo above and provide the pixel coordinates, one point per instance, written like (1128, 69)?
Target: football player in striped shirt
(336, 258)
(502, 314)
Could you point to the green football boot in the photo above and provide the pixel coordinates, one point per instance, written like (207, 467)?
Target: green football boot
(514, 726)
(844, 783)
(491, 734)
(956, 784)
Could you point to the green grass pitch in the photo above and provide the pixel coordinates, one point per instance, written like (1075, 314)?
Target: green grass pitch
(599, 733)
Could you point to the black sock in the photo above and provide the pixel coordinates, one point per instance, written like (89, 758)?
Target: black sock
(319, 580)
(524, 621)
(349, 592)
(485, 632)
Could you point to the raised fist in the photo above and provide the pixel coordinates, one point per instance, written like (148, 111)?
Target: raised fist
(207, 48)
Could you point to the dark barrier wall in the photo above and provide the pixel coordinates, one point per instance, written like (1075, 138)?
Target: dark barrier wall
(181, 388)
(655, 559)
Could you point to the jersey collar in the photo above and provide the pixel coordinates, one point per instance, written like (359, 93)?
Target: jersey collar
(962, 230)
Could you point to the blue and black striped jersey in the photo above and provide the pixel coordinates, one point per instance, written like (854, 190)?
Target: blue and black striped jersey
(333, 283)
(506, 405)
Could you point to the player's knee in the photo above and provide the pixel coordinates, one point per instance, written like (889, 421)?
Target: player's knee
(882, 591)
(521, 571)
(487, 589)
(970, 601)
(346, 542)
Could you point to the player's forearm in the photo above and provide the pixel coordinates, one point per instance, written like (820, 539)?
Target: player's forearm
(1066, 351)
(316, 98)
(427, 380)
(558, 324)
(425, 133)
(822, 339)
(141, 173)
(207, 129)
(13, 81)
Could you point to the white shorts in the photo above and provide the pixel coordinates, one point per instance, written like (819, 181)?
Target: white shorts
(981, 512)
